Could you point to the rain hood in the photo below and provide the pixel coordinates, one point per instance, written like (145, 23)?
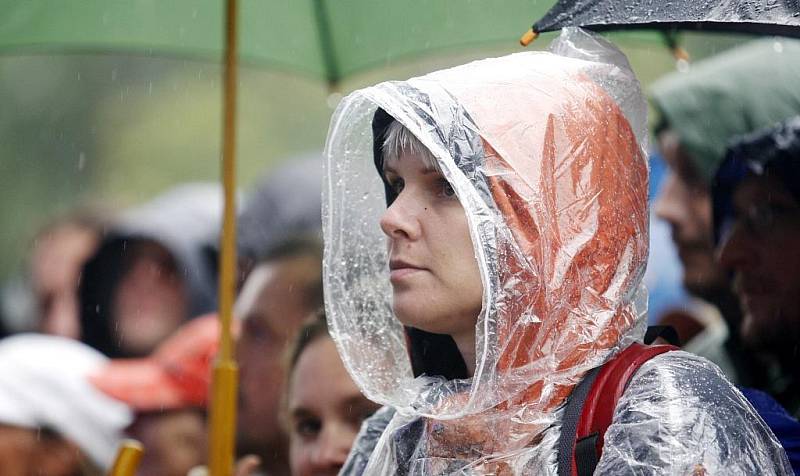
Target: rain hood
(545, 152)
(736, 92)
(186, 221)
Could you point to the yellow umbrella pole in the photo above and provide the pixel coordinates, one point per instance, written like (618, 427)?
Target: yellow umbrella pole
(226, 372)
(128, 458)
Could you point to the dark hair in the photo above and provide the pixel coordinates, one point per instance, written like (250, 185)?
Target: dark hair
(770, 152)
(313, 329)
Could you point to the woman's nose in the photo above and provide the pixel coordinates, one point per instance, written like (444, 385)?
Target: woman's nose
(333, 447)
(399, 220)
(670, 203)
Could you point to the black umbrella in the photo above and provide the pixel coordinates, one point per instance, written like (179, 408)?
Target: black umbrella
(770, 17)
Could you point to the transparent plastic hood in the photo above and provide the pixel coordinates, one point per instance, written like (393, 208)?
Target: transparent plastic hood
(545, 152)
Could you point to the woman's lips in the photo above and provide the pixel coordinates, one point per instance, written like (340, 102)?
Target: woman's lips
(399, 269)
(400, 273)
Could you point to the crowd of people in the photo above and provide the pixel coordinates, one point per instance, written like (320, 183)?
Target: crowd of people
(455, 288)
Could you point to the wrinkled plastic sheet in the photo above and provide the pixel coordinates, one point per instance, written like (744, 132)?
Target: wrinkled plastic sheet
(546, 153)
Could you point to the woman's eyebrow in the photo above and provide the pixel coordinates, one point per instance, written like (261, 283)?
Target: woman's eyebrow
(301, 412)
(387, 169)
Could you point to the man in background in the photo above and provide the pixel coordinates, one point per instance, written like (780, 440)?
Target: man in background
(721, 97)
(281, 291)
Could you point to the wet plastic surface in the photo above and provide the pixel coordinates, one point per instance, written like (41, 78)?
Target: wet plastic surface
(545, 152)
(776, 17)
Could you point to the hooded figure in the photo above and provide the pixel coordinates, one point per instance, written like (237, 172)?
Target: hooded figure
(174, 235)
(730, 94)
(543, 156)
(284, 204)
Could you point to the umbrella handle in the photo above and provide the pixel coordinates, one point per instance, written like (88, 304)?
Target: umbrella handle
(528, 37)
(128, 458)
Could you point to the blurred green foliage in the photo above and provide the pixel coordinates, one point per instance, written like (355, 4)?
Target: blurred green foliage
(111, 131)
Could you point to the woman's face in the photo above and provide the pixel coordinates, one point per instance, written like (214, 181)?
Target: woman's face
(326, 410)
(433, 270)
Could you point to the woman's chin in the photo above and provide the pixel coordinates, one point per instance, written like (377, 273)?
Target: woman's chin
(416, 314)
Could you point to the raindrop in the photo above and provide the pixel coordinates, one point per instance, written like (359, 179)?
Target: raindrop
(81, 161)
(777, 46)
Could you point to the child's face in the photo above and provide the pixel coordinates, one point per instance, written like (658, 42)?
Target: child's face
(433, 270)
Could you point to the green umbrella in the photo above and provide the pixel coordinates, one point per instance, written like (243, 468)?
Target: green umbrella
(329, 40)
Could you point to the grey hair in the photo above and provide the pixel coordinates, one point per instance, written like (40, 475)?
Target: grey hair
(400, 141)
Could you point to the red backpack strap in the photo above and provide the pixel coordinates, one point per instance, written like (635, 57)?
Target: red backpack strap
(593, 403)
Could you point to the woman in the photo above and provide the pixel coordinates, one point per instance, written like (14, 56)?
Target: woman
(517, 239)
(325, 408)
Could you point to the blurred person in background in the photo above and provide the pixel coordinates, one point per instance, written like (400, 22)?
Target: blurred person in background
(719, 98)
(285, 202)
(155, 269)
(53, 422)
(282, 290)
(757, 223)
(168, 391)
(757, 226)
(324, 407)
(60, 249)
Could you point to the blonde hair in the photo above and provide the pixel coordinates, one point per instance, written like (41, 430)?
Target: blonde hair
(400, 142)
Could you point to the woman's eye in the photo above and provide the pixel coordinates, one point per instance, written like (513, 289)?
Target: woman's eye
(447, 189)
(307, 427)
(397, 185)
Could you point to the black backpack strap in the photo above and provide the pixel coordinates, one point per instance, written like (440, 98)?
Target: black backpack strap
(569, 424)
(668, 333)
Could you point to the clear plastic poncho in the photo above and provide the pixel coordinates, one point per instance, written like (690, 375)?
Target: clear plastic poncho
(545, 152)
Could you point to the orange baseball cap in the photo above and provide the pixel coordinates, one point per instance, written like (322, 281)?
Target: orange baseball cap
(176, 375)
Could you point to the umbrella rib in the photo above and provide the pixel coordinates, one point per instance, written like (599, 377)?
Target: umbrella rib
(327, 47)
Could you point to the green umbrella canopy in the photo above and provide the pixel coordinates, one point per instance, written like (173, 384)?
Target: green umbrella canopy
(329, 40)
